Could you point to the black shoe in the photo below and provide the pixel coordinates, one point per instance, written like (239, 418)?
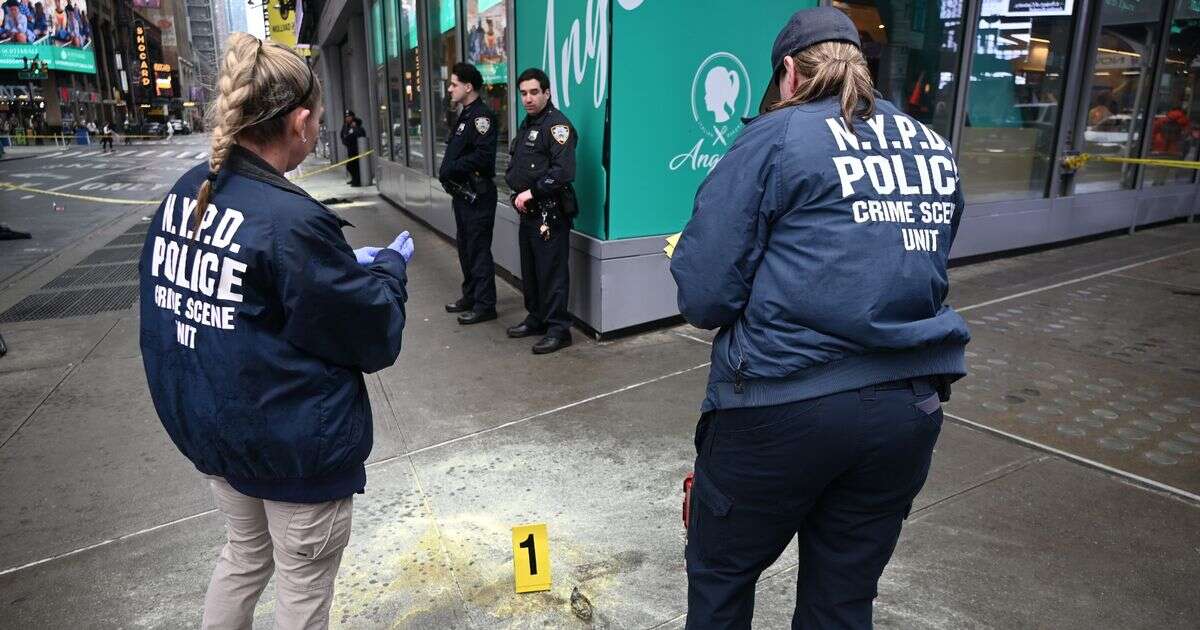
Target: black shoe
(458, 306)
(524, 330)
(550, 344)
(475, 317)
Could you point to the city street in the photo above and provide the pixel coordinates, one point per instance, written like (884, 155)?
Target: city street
(1064, 493)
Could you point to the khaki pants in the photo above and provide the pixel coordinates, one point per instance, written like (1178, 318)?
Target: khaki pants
(301, 543)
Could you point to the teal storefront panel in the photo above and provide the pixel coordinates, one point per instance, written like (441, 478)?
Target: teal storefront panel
(569, 40)
(682, 81)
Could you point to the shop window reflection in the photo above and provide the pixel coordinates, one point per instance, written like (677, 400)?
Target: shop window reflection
(487, 49)
(1012, 111)
(1175, 128)
(413, 69)
(379, 22)
(443, 54)
(912, 48)
(1118, 92)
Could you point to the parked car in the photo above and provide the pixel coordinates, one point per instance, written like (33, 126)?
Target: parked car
(1112, 132)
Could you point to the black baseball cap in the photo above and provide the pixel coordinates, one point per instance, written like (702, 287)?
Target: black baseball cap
(805, 28)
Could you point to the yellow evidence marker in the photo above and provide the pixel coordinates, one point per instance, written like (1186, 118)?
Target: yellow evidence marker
(531, 558)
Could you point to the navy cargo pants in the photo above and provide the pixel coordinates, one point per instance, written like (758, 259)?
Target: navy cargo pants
(474, 224)
(840, 472)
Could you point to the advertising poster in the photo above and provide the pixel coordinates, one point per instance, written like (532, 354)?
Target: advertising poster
(57, 32)
(714, 76)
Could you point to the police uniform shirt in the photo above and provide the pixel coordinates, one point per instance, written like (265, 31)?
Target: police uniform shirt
(471, 148)
(543, 155)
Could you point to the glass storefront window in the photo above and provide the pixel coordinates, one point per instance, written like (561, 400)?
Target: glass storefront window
(912, 48)
(411, 84)
(1118, 92)
(442, 21)
(393, 90)
(1175, 128)
(1017, 74)
(487, 49)
(379, 24)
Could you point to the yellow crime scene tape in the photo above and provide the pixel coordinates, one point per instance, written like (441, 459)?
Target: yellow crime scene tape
(333, 166)
(55, 193)
(1075, 162)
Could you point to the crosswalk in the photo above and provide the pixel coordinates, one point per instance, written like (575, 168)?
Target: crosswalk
(136, 152)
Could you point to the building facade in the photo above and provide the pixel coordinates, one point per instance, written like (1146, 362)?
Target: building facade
(657, 92)
(235, 15)
(201, 27)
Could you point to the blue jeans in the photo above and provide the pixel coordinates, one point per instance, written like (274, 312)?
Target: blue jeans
(839, 471)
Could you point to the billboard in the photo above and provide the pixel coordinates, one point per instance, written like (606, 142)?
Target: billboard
(57, 33)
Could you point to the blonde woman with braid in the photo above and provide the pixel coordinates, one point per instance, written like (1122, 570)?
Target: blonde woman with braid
(257, 323)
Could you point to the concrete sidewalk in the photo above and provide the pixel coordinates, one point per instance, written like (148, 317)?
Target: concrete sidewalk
(106, 525)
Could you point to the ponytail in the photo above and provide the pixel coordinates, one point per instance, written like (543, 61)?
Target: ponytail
(834, 68)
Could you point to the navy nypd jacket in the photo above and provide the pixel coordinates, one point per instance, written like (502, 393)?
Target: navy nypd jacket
(255, 333)
(821, 253)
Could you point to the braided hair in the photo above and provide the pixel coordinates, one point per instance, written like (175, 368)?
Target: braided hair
(259, 83)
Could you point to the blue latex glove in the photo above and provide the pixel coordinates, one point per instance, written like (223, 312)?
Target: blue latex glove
(403, 245)
(366, 255)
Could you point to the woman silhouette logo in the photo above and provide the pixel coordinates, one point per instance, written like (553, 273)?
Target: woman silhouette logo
(718, 99)
(720, 93)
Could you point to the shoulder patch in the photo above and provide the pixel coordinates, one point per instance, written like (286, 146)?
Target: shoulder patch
(482, 124)
(561, 133)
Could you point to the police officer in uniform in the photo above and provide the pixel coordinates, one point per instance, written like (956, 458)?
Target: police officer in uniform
(540, 175)
(466, 173)
(352, 130)
(818, 246)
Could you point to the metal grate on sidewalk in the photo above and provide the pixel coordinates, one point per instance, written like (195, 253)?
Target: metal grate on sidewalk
(104, 281)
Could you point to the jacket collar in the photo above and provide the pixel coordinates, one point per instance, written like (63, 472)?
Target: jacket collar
(247, 163)
(533, 119)
(469, 109)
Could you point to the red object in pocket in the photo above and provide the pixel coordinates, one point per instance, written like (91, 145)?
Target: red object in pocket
(687, 498)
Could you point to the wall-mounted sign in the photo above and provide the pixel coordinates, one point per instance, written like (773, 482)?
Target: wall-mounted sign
(143, 55)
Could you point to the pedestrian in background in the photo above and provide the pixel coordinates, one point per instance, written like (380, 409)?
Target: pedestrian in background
(541, 171)
(106, 138)
(835, 347)
(257, 323)
(466, 173)
(352, 131)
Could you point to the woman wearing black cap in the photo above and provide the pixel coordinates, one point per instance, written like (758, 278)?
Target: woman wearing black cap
(352, 130)
(257, 323)
(818, 246)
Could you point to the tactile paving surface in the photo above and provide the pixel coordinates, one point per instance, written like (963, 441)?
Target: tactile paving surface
(1107, 369)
